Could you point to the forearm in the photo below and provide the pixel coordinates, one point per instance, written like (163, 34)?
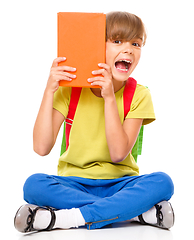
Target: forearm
(49, 121)
(43, 136)
(117, 138)
(120, 137)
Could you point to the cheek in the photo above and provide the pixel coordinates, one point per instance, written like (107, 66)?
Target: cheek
(108, 62)
(109, 58)
(138, 56)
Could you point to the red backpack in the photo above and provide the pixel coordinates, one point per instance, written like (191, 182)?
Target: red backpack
(127, 99)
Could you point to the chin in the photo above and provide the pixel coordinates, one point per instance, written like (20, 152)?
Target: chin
(121, 78)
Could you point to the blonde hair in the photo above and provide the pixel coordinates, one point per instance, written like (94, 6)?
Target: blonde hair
(124, 26)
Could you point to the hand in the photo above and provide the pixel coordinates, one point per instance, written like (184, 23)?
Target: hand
(58, 73)
(104, 79)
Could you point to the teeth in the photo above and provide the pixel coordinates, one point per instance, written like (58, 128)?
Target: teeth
(124, 70)
(127, 61)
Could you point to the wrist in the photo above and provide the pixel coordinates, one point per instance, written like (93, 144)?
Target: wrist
(110, 99)
(48, 93)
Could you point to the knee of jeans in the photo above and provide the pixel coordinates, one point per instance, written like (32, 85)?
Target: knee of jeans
(165, 184)
(32, 187)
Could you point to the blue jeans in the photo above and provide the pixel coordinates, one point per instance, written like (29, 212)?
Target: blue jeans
(101, 202)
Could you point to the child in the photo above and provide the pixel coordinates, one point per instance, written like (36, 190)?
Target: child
(98, 181)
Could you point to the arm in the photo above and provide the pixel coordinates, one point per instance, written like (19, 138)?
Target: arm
(120, 138)
(49, 120)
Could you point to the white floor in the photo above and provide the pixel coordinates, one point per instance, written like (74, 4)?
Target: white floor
(125, 231)
(182, 229)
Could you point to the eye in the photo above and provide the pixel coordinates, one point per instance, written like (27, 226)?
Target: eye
(136, 44)
(117, 41)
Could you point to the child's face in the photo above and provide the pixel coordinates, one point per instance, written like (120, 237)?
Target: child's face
(123, 57)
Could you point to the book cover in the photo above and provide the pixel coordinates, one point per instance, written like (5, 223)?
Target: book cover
(81, 39)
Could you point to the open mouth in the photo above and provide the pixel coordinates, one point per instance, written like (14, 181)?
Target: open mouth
(123, 65)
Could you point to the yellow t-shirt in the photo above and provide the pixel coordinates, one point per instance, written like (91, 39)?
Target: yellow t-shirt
(87, 155)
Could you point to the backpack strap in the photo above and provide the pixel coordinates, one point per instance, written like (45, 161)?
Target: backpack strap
(128, 94)
(127, 99)
(75, 95)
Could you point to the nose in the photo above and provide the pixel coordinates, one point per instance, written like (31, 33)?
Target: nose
(127, 48)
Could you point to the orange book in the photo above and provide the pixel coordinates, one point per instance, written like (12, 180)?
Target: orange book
(81, 39)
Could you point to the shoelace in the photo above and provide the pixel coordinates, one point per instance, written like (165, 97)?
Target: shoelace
(31, 217)
(159, 214)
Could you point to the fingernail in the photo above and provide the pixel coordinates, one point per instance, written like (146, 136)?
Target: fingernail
(93, 72)
(88, 79)
(99, 64)
(64, 58)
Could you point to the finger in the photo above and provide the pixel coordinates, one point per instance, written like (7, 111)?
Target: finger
(98, 83)
(66, 74)
(96, 79)
(105, 71)
(55, 71)
(102, 72)
(98, 72)
(105, 66)
(58, 60)
(61, 77)
(64, 68)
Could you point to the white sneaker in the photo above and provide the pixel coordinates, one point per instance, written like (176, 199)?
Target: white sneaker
(164, 215)
(25, 216)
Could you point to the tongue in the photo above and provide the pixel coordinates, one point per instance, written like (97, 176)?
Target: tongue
(120, 65)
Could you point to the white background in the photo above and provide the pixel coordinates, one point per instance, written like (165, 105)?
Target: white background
(28, 45)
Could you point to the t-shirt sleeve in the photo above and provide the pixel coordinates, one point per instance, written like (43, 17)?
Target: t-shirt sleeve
(62, 99)
(142, 105)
